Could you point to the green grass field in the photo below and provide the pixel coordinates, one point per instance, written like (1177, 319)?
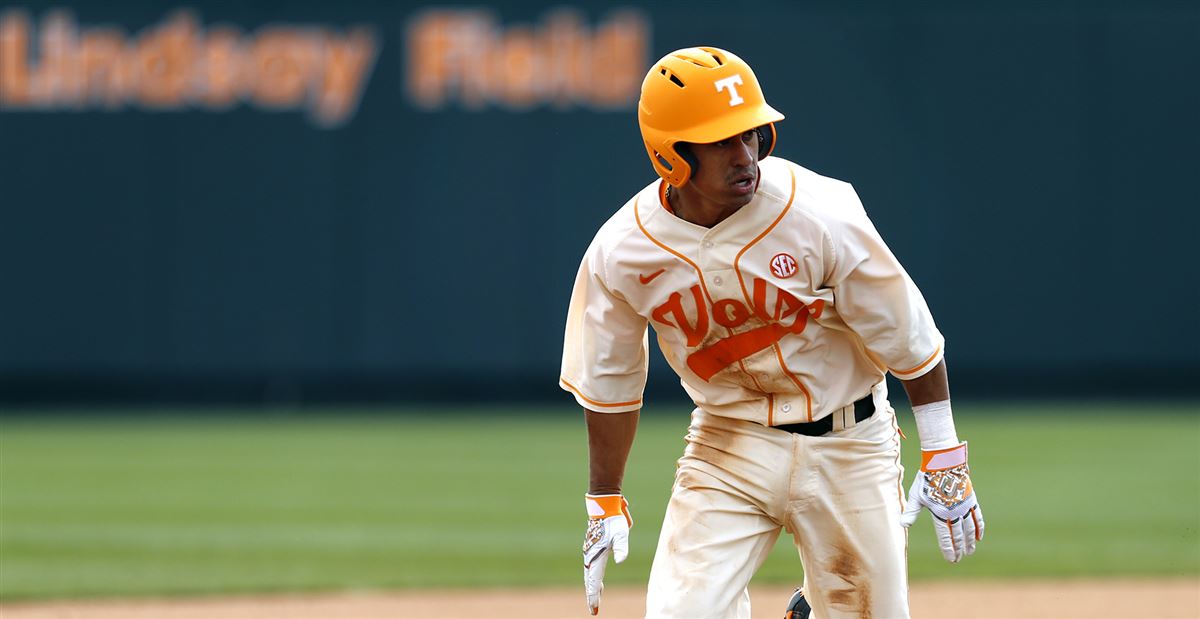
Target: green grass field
(203, 504)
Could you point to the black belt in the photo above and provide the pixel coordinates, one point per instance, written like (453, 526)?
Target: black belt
(863, 409)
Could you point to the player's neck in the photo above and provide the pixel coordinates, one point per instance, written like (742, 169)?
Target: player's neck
(691, 206)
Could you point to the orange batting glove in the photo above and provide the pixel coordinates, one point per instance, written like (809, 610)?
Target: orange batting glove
(608, 530)
(943, 485)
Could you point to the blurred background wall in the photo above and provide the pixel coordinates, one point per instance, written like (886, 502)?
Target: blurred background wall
(359, 201)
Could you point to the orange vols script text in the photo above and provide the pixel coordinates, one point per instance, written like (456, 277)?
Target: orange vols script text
(731, 314)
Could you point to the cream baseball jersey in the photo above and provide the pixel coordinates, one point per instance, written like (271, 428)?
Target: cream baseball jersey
(788, 309)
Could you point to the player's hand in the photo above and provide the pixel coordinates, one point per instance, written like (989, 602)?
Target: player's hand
(943, 485)
(607, 534)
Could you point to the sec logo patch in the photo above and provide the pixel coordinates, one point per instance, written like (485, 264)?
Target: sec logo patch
(783, 266)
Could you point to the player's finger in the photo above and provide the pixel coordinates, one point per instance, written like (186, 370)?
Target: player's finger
(620, 546)
(593, 582)
(969, 539)
(977, 515)
(593, 600)
(945, 534)
(912, 508)
(958, 533)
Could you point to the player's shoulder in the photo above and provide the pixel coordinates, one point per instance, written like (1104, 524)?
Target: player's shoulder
(821, 197)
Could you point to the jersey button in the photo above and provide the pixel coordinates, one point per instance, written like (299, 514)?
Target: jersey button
(717, 281)
(787, 408)
(708, 244)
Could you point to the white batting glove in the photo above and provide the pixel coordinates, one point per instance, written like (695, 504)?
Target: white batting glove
(608, 530)
(943, 485)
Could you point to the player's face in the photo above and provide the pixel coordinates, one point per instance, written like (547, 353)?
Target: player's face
(728, 170)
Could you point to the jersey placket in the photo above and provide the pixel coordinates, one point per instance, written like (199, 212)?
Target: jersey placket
(724, 294)
(787, 396)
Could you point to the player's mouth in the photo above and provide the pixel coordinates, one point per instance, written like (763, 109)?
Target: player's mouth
(743, 183)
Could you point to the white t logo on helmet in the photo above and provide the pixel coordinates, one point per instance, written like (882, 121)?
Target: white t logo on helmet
(731, 83)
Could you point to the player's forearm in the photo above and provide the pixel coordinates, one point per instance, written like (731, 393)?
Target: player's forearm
(610, 436)
(933, 386)
(930, 399)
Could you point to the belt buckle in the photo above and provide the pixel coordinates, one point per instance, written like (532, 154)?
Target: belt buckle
(846, 417)
(843, 418)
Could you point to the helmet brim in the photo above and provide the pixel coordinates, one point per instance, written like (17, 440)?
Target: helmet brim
(729, 126)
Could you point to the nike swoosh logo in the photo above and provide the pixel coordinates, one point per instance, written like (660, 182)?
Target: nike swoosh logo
(646, 279)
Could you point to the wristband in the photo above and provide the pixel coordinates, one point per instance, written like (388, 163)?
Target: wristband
(944, 459)
(607, 505)
(935, 425)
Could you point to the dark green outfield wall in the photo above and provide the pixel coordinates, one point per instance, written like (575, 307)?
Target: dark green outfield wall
(302, 235)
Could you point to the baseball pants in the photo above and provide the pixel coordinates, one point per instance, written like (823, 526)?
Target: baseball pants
(739, 484)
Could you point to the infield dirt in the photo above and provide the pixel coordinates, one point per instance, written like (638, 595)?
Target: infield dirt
(1144, 599)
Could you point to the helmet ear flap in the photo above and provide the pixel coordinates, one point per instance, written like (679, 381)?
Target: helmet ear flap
(766, 140)
(672, 167)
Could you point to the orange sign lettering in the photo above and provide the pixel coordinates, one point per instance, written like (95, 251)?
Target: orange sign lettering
(466, 57)
(179, 64)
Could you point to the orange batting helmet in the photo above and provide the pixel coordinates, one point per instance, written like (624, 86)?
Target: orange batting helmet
(700, 95)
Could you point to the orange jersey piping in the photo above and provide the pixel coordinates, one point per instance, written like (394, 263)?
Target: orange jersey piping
(923, 364)
(899, 467)
(577, 392)
(699, 273)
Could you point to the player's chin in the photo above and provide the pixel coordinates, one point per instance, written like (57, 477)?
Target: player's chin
(739, 197)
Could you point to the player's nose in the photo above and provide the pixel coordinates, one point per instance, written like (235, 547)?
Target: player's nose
(744, 154)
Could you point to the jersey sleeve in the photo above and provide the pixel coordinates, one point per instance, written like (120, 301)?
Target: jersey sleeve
(875, 296)
(605, 350)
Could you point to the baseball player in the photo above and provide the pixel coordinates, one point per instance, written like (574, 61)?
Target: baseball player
(781, 309)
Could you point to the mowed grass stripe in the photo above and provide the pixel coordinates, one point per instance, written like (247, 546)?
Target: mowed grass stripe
(185, 504)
